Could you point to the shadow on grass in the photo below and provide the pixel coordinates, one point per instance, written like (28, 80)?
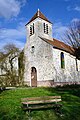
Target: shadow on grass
(70, 100)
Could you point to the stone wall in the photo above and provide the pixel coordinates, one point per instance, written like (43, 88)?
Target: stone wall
(69, 73)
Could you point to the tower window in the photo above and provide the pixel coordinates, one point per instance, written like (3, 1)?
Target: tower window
(62, 60)
(31, 29)
(32, 49)
(45, 28)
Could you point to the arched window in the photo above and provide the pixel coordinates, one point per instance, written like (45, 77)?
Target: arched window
(33, 69)
(32, 49)
(62, 60)
(76, 65)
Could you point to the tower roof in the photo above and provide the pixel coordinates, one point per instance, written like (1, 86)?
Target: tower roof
(38, 14)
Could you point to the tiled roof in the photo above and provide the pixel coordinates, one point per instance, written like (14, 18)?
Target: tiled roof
(38, 15)
(60, 45)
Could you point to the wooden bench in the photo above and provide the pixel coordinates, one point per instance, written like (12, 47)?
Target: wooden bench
(45, 102)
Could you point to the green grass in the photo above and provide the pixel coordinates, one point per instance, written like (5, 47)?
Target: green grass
(10, 103)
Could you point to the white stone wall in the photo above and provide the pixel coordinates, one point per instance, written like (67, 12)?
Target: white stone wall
(69, 73)
(41, 59)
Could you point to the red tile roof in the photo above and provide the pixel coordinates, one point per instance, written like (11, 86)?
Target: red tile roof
(60, 45)
(38, 15)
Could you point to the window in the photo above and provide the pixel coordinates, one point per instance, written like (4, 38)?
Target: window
(31, 29)
(45, 28)
(32, 49)
(62, 60)
(76, 65)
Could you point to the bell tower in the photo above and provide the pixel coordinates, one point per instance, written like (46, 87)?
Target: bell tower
(39, 25)
(37, 52)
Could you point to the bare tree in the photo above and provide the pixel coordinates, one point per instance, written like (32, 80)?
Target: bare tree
(72, 36)
(21, 67)
(8, 64)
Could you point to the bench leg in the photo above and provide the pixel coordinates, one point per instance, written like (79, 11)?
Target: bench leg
(28, 113)
(58, 110)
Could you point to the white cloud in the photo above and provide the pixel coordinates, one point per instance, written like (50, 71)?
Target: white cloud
(75, 20)
(18, 44)
(11, 33)
(73, 8)
(59, 30)
(16, 36)
(77, 8)
(10, 8)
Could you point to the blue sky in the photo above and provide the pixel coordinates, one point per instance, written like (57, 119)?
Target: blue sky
(14, 14)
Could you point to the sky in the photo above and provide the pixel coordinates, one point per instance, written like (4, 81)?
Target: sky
(14, 14)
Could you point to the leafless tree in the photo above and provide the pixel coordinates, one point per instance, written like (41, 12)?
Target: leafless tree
(8, 58)
(21, 67)
(72, 36)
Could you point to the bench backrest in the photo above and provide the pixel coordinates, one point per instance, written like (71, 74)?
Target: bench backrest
(57, 98)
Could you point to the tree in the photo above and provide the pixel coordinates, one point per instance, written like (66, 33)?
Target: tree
(8, 65)
(72, 37)
(21, 67)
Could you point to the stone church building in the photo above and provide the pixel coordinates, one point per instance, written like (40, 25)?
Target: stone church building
(48, 62)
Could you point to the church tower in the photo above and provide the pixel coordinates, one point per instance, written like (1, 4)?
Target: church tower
(38, 53)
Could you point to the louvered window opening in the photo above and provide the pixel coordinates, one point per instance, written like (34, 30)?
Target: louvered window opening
(31, 29)
(46, 28)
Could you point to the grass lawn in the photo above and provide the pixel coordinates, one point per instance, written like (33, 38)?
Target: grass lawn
(10, 103)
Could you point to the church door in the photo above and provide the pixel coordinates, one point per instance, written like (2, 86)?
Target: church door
(33, 77)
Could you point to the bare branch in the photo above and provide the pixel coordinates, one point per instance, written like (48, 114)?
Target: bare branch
(72, 36)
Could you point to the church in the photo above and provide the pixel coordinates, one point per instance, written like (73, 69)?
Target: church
(48, 62)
